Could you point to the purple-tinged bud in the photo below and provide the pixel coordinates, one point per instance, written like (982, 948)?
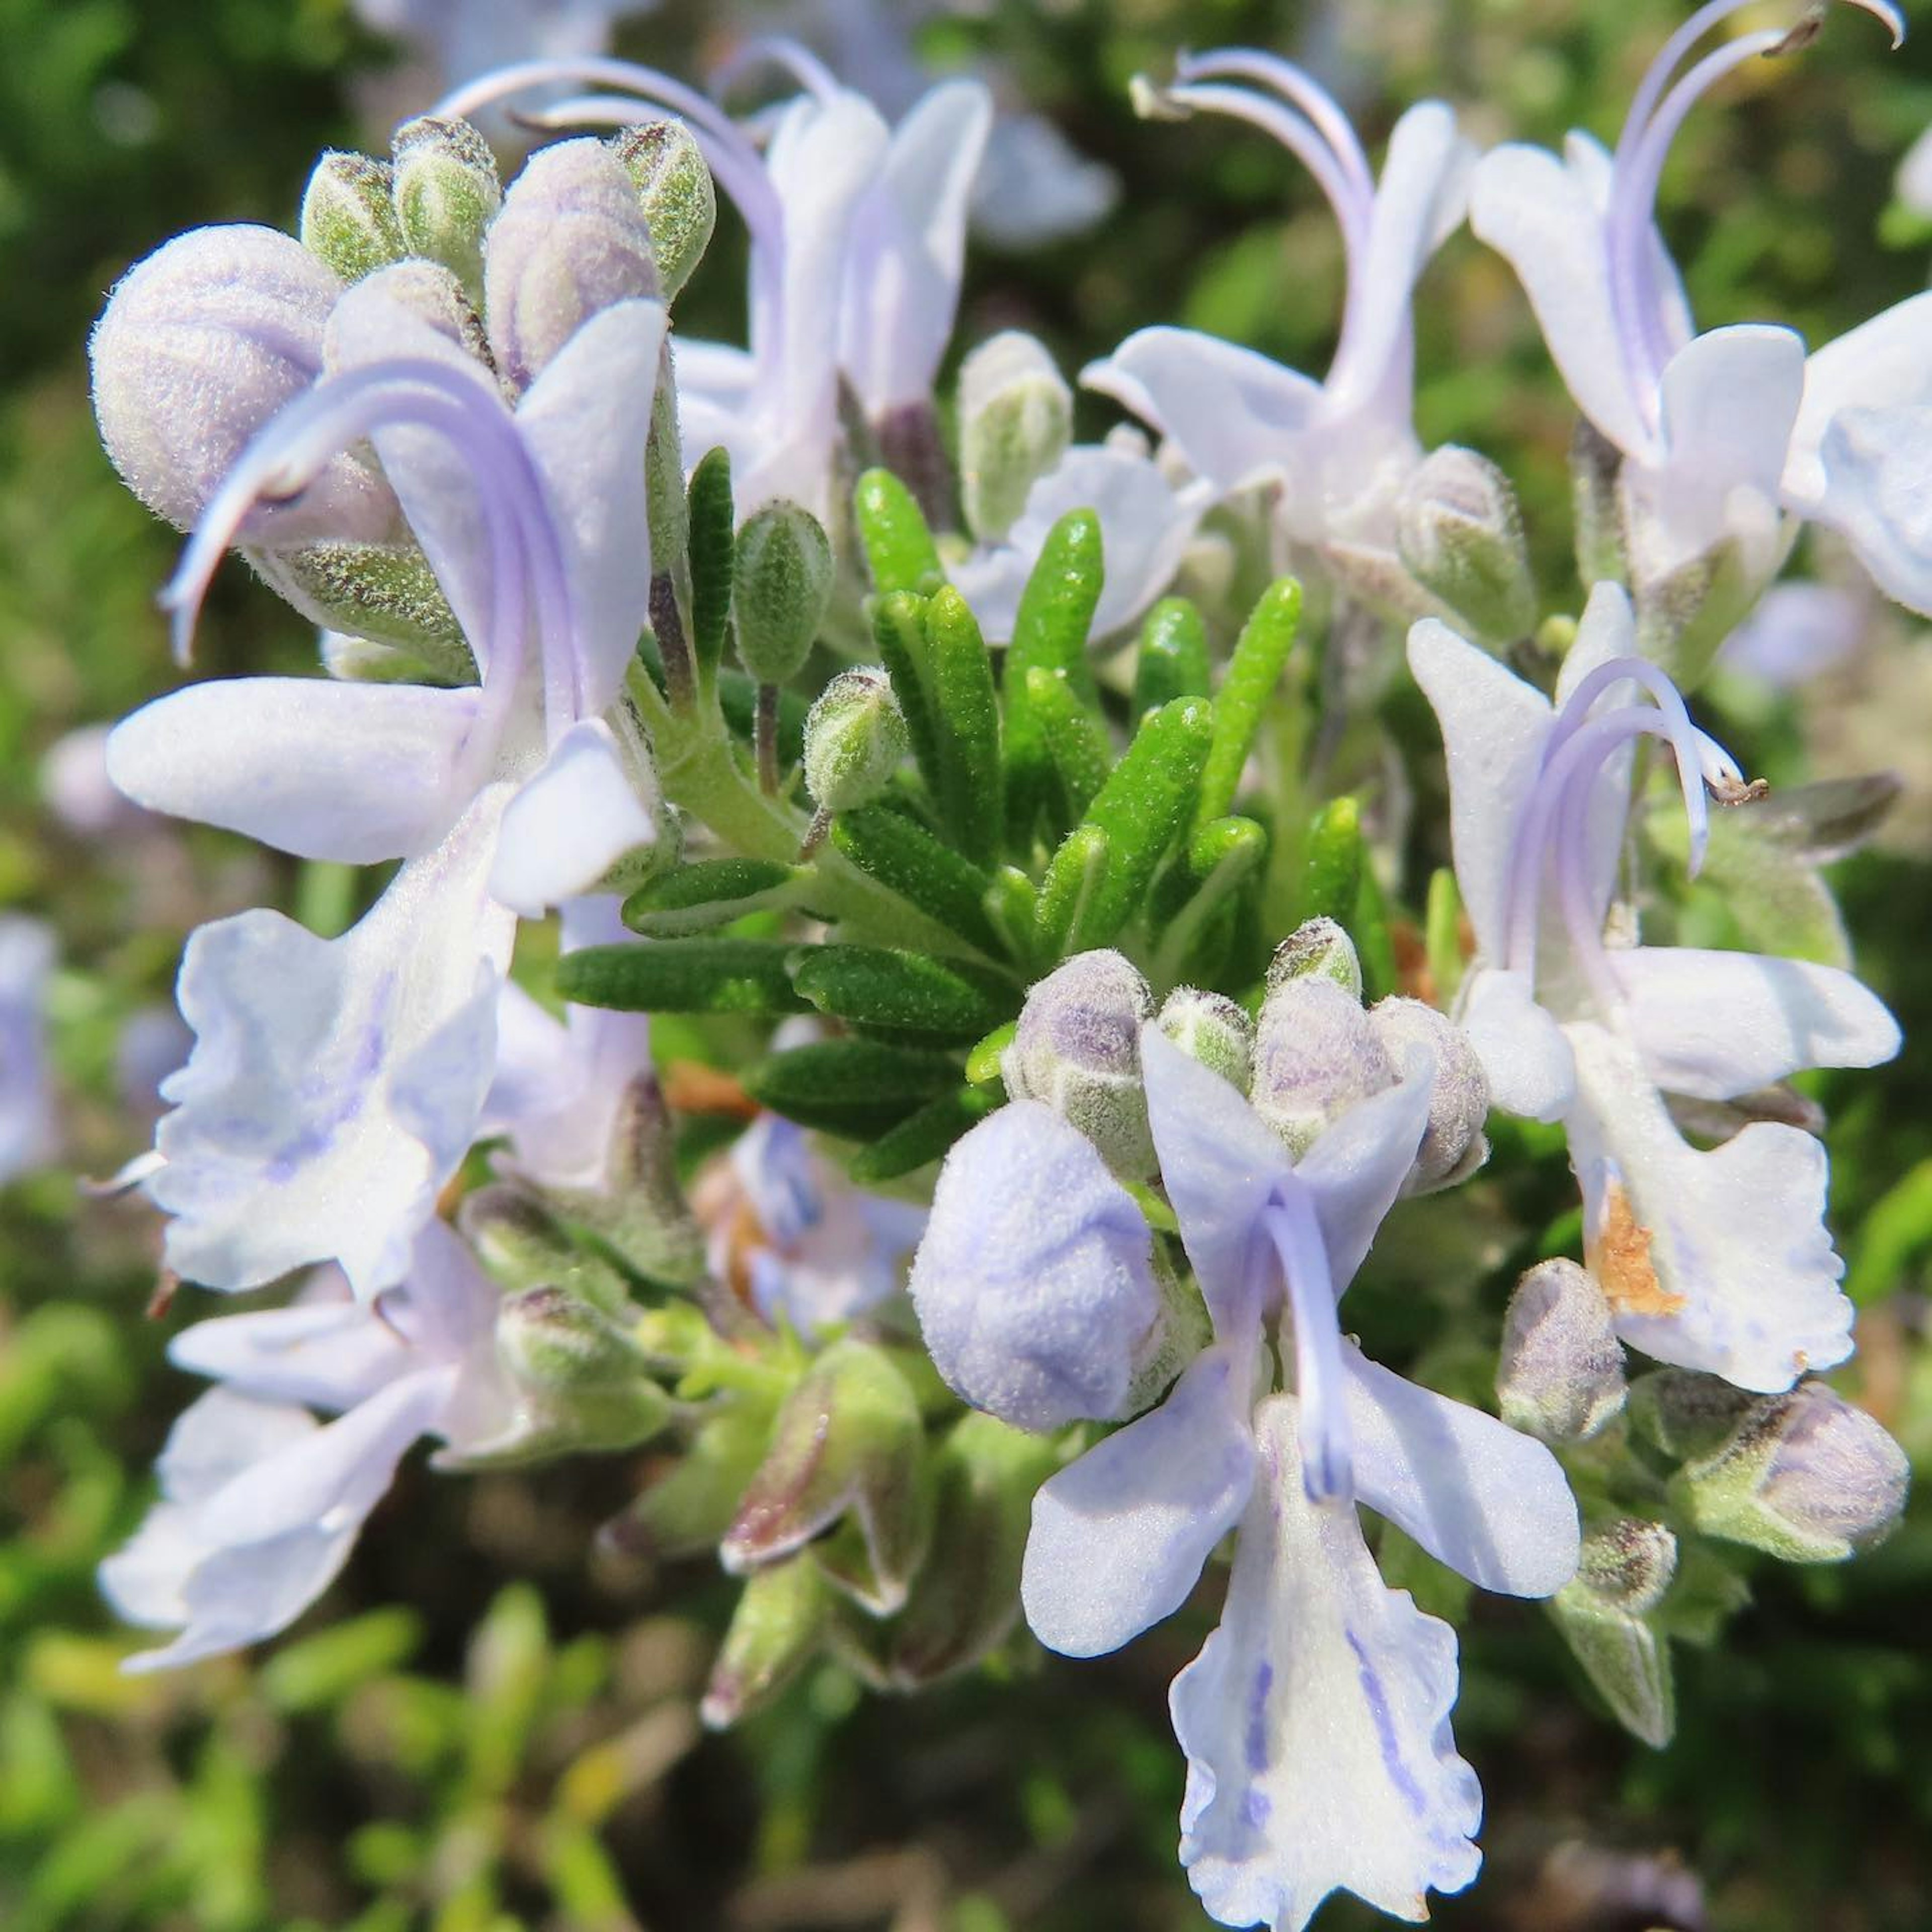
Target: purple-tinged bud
(349, 215)
(1211, 1028)
(1454, 1146)
(1316, 1055)
(570, 241)
(447, 193)
(1561, 1373)
(430, 292)
(674, 188)
(1689, 1416)
(200, 345)
(1605, 1616)
(855, 738)
(1035, 1285)
(1077, 1049)
(1806, 1475)
(1318, 949)
(774, 1632)
(1459, 535)
(1016, 421)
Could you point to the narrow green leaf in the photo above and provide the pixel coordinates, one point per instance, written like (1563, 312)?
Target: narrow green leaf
(1012, 905)
(965, 715)
(1369, 930)
(926, 1136)
(1253, 671)
(878, 986)
(1896, 1231)
(1139, 812)
(982, 1063)
(1173, 659)
(711, 517)
(713, 893)
(1072, 879)
(1050, 633)
(1221, 857)
(1442, 936)
(1077, 742)
(899, 549)
(858, 1087)
(683, 976)
(898, 629)
(1332, 869)
(901, 854)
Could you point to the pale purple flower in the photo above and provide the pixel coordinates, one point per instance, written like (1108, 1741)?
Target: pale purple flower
(1718, 1261)
(1723, 433)
(260, 1503)
(336, 1083)
(27, 1137)
(1338, 451)
(1316, 1719)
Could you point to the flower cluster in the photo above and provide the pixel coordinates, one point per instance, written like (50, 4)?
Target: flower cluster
(1049, 1046)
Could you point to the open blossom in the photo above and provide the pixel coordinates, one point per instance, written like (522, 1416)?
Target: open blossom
(336, 1083)
(1315, 1719)
(1718, 1261)
(260, 1503)
(1723, 432)
(1338, 450)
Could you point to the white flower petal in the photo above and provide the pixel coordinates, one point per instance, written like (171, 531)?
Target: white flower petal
(1530, 1067)
(1316, 1722)
(1884, 364)
(1713, 1025)
(328, 1356)
(1357, 1165)
(1491, 1503)
(1119, 1538)
(1878, 495)
(1721, 1261)
(567, 826)
(352, 773)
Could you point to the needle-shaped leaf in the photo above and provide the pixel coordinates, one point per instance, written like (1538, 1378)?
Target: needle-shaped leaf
(713, 893)
(901, 854)
(1253, 671)
(683, 976)
(899, 550)
(1077, 741)
(1173, 659)
(1332, 869)
(711, 544)
(1050, 632)
(859, 1088)
(880, 986)
(924, 1136)
(965, 715)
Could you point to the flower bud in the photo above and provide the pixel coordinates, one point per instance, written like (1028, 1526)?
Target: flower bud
(1016, 421)
(550, 1339)
(349, 215)
(1561, 1373)
(1805, 1475)
(570, 241)
(447, 193)
(1604, 1616)
(855, 738)
(1459, 530)
(521, 1245)
(429, 291)
(774, 1632)
(1077, 1049)
(781, 586)
(1317, 949)
(1687, 1415)
(1316, 1055)
(1034, 1285)
(1454, 1145)
(201, 344)
(1211, 1028)
(675, 190)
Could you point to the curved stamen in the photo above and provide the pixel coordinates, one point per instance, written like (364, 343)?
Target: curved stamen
(1327, 1449)
(727, 151)
(1658, 75)
(778, 50)
(1298, 89)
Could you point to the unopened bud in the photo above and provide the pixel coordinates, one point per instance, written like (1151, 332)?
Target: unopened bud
(675, 190)
(1211, 1028)
(570, 241)
(1034, 1285)
(349, 215)
(1016, 421)
(521, 1245)
(1317, 949)
(1687, 1415)
(1459, 531)
(200, 345)
(549, 1338)
(774, 1632)
(848, 1444)
(1604, 1616)
(384, 618)
(781, 587)
(429, 291)
(855, 738)
(1561, 1373)
(1806, 1475)
(1077, 1049)
(1316, 1055)
(1453, 1145)
(447, 193)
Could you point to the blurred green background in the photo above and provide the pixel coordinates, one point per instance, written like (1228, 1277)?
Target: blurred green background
(489, 1723)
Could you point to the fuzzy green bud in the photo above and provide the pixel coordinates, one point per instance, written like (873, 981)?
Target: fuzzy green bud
(675, 192)
(1459, 531)
(1016, 421)
(775, 1632)
(447, 193)
(781, 587)
(1077, 1050)
(1453, 1145)
(1805, 1475)
(1560, 1375)
(1212, 1029)
(349, 215)
(1687, 1415)
(521, 1245)
(1318, 949)
(855, 738)
(1604, 1615)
